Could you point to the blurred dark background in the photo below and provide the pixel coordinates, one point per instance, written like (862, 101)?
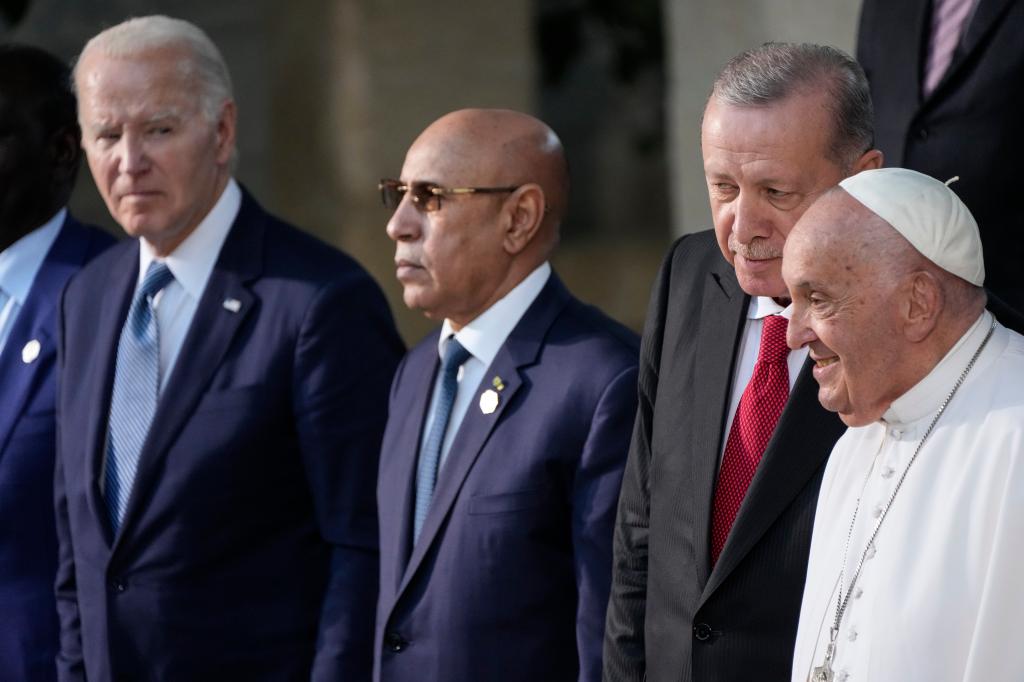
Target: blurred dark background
(332, 92)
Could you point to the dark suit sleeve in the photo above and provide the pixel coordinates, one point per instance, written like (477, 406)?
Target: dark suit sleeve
(70, 666)
(596, 492)
(345, 357)
(624, 629)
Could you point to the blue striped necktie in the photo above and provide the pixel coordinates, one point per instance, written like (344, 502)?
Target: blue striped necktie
(136, 388)
(426, 474)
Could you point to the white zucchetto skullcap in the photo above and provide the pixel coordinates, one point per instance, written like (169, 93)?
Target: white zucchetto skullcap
(927, 213)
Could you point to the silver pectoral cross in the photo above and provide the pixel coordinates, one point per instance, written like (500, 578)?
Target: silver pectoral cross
(823, 673)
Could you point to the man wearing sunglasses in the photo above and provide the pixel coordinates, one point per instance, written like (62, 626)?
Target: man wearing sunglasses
(508, 428)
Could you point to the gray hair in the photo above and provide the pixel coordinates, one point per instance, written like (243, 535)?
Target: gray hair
(775, 71)
(201, 62)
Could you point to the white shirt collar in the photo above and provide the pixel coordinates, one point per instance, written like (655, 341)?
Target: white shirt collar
(763, 306)
(486, 333)
(192, 262)
(20, 262)
(926, 395)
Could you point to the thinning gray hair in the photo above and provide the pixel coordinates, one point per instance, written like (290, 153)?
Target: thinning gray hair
(774, 71)
(201, 62)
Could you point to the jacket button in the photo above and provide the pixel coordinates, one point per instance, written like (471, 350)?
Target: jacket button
(394, 642)
(922, 133)
(702, 631)
(118, 585)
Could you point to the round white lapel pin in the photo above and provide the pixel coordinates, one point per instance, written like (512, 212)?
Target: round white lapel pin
(30, 352)
(488, 401)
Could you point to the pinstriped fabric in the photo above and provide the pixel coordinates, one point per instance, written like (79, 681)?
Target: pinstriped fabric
(426, 474)
(136, 387)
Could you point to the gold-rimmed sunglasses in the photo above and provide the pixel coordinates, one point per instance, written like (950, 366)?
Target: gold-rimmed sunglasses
(427, 195)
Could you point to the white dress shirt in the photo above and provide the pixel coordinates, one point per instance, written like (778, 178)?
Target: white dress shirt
(483, 338)
(191, 264)
(940, 595)
(19, 265)
(760, 308)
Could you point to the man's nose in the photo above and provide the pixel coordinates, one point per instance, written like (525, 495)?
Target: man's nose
(133, 159)
(405, 222)
(799, 333)
(749, 218)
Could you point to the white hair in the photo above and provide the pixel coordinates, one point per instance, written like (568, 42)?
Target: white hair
(200, 63)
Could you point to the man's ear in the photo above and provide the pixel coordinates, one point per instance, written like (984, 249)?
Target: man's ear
(64, 148)
(225, 140)
(925, 300)
(869, 160)
(525, 210)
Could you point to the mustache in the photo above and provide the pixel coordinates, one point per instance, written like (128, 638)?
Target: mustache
(757, 249)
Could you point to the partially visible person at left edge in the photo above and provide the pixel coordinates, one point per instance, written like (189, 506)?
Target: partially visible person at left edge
(41, 246)
(223, 391)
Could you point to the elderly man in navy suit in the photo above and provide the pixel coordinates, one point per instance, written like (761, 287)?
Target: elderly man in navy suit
(508, 428)
(41, 246)
(222, 398)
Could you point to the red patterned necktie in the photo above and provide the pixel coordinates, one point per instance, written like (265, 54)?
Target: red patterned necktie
(756, 415)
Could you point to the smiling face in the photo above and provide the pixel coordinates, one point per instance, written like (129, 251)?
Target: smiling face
(764, 166)
(849, 299)
(159, 164)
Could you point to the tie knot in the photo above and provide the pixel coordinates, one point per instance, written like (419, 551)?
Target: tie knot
(773, 340)
(454, 355)
(158, 275)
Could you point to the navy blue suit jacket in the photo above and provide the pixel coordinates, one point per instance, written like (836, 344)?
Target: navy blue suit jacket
(28, 543)
(248, 550)
(509, 579)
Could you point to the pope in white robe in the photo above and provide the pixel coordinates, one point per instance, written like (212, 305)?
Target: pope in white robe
(940, 592)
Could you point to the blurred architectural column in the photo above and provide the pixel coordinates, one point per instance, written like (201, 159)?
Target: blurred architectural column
(357, 81)
(700, 38)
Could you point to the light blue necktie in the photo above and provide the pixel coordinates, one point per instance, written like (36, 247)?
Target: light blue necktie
(136, 388)
(426, 474)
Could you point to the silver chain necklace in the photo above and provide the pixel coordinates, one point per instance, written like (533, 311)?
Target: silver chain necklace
(824, 673)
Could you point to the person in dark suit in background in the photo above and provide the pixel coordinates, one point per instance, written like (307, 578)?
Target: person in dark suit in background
(222, 396)
(944, 78)
(41, 246)
(718, 498)
(508, 429)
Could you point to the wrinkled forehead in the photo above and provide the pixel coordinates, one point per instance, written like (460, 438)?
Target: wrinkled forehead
(147, 86)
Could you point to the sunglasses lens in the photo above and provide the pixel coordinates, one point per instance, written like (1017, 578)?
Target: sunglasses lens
(424, 197)
(391, 192)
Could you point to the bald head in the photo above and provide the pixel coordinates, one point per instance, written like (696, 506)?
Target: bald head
(500, 184)
(501, 147)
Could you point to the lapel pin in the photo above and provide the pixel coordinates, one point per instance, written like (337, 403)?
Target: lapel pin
(232, 304)
(488, 401)
(30, 352)
(497, 383)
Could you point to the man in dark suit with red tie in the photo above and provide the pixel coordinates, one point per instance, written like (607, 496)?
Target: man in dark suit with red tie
(730, 442)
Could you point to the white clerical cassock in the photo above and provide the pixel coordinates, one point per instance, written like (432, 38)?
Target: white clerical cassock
(941, 593)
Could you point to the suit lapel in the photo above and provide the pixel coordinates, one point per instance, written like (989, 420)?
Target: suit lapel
(35, 322)
(801, 444)
(419, 386)
(520, 350)
(112, 313)
(723, 312)
(209, 336)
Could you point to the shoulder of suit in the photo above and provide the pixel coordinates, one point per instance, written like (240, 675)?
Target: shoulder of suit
(592, 325)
